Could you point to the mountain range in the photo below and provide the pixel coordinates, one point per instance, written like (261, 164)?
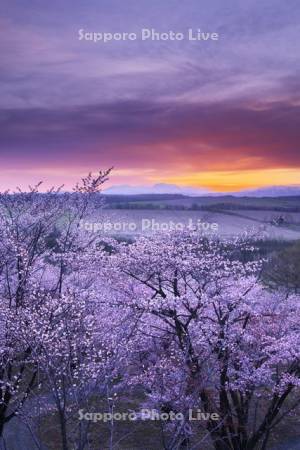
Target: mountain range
(162, 188)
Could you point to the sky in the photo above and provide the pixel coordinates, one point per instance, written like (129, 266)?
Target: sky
(223, 115)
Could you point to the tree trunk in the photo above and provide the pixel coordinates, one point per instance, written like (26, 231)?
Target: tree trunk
(63, 429)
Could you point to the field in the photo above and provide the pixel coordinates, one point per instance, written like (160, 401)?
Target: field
(275, 218)
(172, 201)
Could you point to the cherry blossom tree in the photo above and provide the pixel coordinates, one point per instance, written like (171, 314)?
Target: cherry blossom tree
(212, 337)
(45, 322)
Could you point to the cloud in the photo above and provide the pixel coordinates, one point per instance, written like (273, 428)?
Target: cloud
(206, 136)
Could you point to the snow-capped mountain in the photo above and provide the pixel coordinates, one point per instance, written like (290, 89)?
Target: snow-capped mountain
(272, 191)
(160, 188)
